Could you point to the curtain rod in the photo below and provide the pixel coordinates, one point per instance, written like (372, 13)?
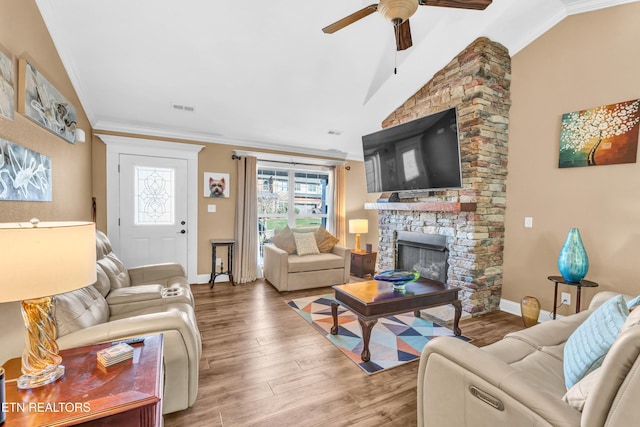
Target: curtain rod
(290, 160)
(236, 157)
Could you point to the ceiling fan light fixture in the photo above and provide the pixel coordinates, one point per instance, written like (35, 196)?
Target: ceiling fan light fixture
(397, 11)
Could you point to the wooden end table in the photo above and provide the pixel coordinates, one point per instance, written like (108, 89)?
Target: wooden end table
(374, 299)
(581, 284)
(363, 263)
(229, 243)
(126, 394)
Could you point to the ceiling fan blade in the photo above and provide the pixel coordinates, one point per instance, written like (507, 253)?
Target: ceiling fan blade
(403, 36)
(338, 25)
(459, 4)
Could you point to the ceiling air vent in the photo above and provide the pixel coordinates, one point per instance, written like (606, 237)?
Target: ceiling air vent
(183, 108)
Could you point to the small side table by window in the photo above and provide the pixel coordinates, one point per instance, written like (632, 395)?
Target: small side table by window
(581, 284)
(363, 263)
(128, 393)
(229, 243)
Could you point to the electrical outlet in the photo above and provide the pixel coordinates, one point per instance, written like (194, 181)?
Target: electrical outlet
(566, 298)
(218, 261)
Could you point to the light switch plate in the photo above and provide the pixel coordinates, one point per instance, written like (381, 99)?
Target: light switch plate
(211, 208)
(528, 222)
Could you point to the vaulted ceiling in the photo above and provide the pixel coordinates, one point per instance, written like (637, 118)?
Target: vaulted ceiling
(262, 74)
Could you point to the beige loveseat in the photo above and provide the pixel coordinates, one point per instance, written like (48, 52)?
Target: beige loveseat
(290, 272)
(519, 381)
(131, 302)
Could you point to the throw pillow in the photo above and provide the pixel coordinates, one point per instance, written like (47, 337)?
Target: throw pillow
(283, 239)
(325, 240)
(306, 243)
(577, 395)
(633, 302)
(632, 321)
(587, 346)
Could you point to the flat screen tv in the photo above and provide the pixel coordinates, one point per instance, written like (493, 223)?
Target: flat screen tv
(415, 157)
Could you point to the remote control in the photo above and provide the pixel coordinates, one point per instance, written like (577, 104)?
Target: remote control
(134, 340)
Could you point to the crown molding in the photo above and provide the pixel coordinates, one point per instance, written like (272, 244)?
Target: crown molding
(574, 8)
(216, 139)
(591, 5)
(553, 20)
(144, 144)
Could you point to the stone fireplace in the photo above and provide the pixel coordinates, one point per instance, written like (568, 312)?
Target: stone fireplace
(469, 221)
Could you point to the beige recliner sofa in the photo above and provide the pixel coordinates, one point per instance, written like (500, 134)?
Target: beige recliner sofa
(519, 381)
(123, 303)
(293, 272)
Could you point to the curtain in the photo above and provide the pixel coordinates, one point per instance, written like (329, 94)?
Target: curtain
(246, 265)
(340, 204)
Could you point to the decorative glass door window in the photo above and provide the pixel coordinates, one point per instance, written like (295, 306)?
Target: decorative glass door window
(154, 196)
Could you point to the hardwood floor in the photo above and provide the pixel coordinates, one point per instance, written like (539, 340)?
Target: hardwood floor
(263, 365)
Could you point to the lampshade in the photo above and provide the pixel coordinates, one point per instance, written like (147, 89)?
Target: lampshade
(358, 226)
(39, 260)
(397, 10)
(46, 259)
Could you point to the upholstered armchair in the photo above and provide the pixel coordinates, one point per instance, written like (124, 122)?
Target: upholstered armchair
(287, 270)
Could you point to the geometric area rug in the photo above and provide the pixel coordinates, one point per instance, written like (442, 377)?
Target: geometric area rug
(395, 340)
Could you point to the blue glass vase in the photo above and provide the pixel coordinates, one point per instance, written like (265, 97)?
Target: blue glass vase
(573, 261)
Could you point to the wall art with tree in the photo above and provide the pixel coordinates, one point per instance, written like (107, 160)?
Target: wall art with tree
(604, 135)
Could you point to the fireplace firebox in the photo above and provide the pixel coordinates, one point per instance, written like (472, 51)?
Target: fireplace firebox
(425, 253)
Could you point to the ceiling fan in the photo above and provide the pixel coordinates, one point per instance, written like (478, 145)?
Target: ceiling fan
(399, 12)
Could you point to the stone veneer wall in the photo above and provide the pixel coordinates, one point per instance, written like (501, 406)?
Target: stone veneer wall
(477, 82)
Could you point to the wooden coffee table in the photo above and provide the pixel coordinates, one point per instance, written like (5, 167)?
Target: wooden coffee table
(374, 299)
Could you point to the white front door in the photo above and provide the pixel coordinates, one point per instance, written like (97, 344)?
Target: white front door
(153, 210)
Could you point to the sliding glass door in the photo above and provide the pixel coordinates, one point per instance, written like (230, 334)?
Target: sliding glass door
(293, 195)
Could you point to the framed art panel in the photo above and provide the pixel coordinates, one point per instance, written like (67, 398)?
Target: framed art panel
(24, 174)
(7, 85)
(43, 103)
(604, 135)
(216, 184)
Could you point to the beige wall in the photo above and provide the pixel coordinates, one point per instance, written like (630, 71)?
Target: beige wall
(23, 34)
(356, 198)
(219, 225)
(585, 61)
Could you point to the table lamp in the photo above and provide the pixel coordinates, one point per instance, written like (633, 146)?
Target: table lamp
(358, 226)
(39, 260)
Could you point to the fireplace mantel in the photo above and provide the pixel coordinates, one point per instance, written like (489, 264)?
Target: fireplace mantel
(422, 206)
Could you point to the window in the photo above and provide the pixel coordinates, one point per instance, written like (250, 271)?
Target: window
(309, 205)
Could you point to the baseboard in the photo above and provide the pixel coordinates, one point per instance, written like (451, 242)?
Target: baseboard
(507, 306)
(514, 308)
(204, 278)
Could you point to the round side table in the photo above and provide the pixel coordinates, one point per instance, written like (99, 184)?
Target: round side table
(581, 284)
